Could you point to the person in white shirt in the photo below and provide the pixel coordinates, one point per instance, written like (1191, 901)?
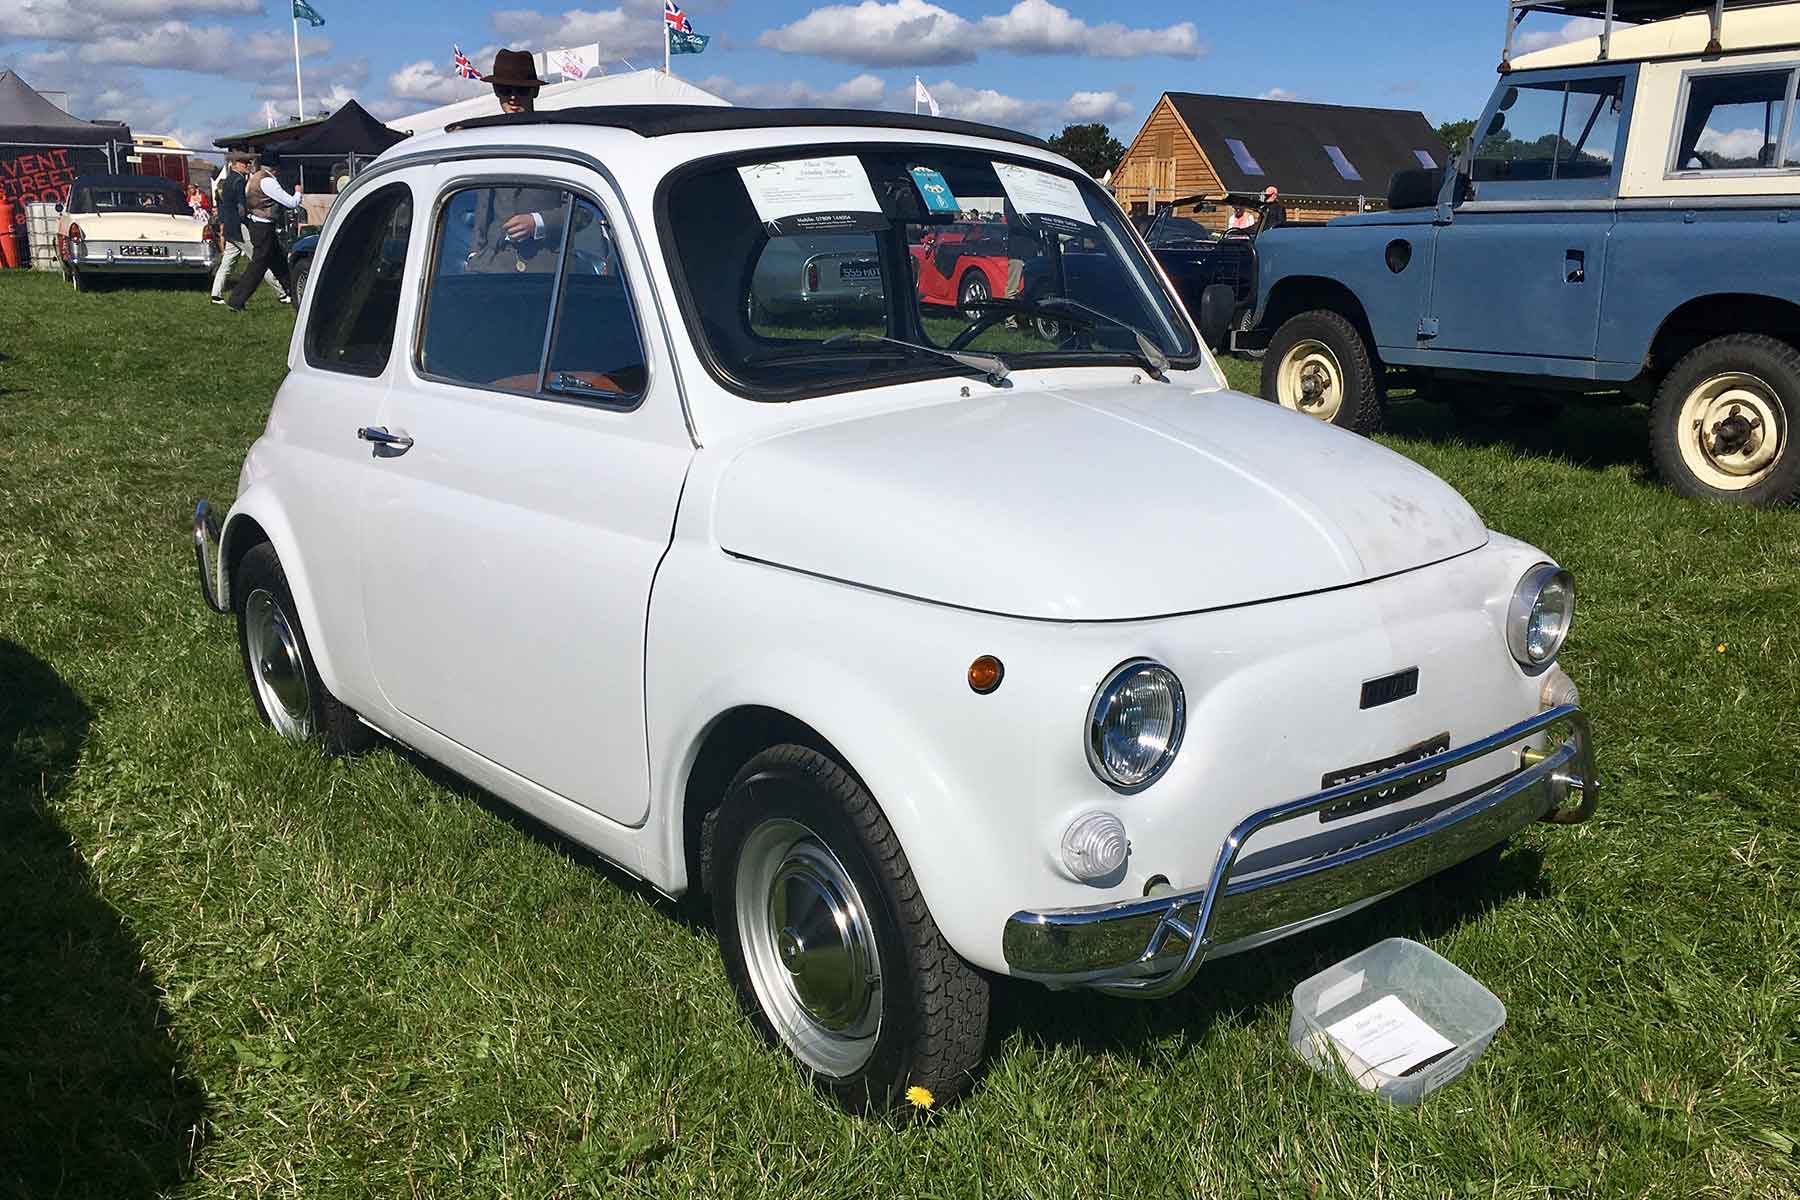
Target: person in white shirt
(262, 192)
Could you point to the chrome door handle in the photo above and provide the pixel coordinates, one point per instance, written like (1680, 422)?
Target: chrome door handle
(385, 443)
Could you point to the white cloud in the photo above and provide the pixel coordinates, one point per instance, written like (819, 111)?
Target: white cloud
(629, 29)
(1572, 30)
(1278, 93)
(207, 49)
(1040, 27)
(1733, 144)
(1104, 107)
(321, 79)
(78, 20)
(862, 91)
(433, 81)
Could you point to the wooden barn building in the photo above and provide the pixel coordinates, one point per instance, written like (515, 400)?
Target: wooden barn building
(1327, 159)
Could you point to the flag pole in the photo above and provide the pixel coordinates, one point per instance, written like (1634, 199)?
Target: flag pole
(665, 47)
(915, 95)
(299, 92)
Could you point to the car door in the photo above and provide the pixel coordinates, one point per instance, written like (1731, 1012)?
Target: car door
(1520, 267)
(512, 530)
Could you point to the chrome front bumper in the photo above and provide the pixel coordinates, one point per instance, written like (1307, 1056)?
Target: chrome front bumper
(206, 556)
(1152, 947)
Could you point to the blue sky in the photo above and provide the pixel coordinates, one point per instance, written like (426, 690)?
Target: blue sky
(199, 68)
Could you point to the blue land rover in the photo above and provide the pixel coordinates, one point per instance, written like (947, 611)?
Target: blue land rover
(1625, 220)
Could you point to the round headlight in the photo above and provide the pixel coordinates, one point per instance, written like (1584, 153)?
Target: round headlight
(1135, 724)
(1543, 608)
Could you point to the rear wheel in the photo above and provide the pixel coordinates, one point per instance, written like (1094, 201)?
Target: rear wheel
(1722, 424)
(828, 942)
(279, 666)
(1318, 364)
(298, 275)
(973, 289)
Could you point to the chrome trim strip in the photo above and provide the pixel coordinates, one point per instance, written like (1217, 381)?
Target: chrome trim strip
(1125, 948)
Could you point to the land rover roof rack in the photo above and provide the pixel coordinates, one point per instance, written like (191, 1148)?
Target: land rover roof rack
(658, 120)
(1628, 12)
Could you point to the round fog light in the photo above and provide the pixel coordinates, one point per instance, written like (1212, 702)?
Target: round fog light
(1094, 846)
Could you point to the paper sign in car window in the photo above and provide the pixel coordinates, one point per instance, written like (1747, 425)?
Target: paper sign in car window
(934, 191)
(1045, 200)
(813, 195)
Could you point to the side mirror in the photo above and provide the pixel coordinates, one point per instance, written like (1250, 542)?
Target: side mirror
(1216, 305)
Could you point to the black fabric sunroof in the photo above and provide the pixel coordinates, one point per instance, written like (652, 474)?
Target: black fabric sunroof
(659, 120)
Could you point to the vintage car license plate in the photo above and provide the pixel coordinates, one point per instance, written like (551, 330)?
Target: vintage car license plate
(144, 250)
(1400, 791)
(859, 270)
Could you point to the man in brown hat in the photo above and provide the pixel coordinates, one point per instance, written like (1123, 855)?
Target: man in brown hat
(516, 228)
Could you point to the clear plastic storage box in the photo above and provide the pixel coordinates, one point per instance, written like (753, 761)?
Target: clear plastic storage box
(1396, 1019)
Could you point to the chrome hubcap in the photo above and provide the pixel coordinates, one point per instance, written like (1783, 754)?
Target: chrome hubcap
(1732, 430)
(1310, 380)
(277, 665)
(809, 947)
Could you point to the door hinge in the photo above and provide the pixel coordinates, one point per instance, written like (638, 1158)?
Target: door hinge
(1428, 328)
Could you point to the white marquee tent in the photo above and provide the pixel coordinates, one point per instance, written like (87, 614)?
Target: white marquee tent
(636, 87)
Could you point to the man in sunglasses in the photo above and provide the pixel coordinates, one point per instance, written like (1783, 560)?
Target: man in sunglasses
(516, 228)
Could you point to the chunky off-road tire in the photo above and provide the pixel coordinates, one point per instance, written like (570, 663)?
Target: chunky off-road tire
(1725, 424)
(1317, 363)
(278, 664)
(828, 942)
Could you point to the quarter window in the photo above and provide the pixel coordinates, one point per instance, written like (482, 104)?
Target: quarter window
(356, 290)
(596, 354)
(1734, 122)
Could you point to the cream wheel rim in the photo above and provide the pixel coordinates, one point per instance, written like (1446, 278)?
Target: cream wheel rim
(1309, 380)
(1731, 430)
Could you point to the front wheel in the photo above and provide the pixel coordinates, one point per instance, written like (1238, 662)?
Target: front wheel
(1318, 364)
(1722, 423)
(973, 290)
(298, 275)
(828, 942)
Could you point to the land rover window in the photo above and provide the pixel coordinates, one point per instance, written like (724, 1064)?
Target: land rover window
(494, 264)
(355, 293)
(595, 354)
(1556, 130)
(1734, 121)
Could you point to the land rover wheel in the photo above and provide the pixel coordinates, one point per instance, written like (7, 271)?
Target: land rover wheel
(278, 664)
(1318, 364)
(828, 942)
(1723, 422)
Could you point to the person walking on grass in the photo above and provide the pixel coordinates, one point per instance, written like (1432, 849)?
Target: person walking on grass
(262, 192)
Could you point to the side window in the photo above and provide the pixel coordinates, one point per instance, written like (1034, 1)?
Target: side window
(595, 353)
(356, 290)
(1552, 131)
(1734, 120)
(494, 260)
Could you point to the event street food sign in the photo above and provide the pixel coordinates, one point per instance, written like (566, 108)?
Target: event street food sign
(42, 174)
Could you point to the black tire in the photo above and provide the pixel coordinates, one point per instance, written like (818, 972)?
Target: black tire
(933, 1006)
(1359, 406)
(318, 714)
(297, 275)
(1685, 429)
(973, 288)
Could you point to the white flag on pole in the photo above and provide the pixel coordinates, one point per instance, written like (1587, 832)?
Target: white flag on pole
(574, 62)
(921, 96)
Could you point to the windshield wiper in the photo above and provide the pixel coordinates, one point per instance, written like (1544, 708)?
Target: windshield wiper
(1155, 361)
(992, 367)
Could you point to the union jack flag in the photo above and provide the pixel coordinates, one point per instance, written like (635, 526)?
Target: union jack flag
(675, 18)
(463, 66)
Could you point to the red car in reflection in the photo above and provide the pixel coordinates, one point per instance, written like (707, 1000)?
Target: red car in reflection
(956, 264)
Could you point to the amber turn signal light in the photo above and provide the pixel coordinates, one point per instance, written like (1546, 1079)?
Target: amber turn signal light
(985, 674)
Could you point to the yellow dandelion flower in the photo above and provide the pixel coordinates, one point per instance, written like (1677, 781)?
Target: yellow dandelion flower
(1721, 647)
(920, 1097)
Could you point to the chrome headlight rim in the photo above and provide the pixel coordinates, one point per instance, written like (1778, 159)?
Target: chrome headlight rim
(1523, 608)
(1105, 695)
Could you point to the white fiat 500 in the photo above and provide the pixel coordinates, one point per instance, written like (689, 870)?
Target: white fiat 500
(933, 642)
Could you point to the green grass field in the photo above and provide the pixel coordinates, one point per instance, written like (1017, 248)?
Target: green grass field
(230, 967)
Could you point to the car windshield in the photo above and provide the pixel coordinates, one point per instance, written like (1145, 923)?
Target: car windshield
(808, 275)
(167, 201)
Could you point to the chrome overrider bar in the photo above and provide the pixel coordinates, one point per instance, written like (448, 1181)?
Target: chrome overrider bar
(206, 556)
(1152, 947)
